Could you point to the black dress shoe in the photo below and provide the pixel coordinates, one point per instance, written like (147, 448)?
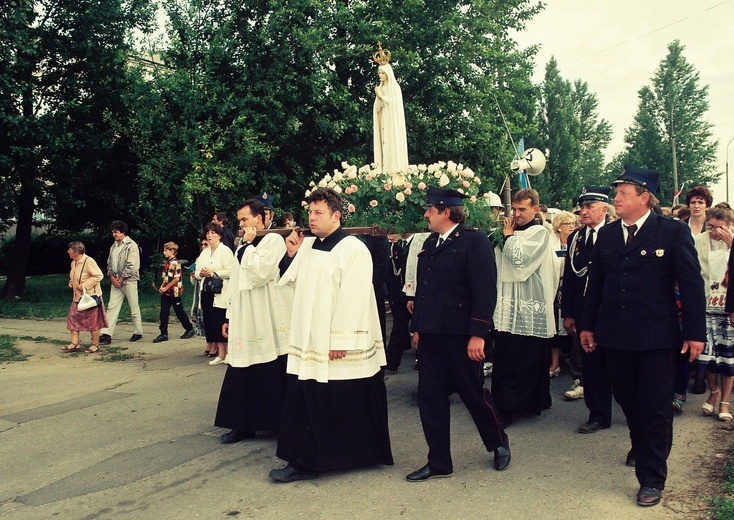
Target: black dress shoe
(291, 473)
(105, 339)
(699, 386)
(161, 337)
(188, 334)
(631, 459)
(504, 419)
(425, 473)
(648, 496)
(591, 427)
(502, 455)
(236, 436)
(135, 337)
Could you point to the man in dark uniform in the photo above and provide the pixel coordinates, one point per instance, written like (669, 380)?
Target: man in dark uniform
(630, 314)
(452, 317)
(591, 377)
(400, 333)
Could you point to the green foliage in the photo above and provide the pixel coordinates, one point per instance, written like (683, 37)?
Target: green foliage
(48, 252)
(722, 507)
(574, 136)
(112, 354)
(674, 105)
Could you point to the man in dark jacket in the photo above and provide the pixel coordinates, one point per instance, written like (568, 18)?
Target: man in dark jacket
(452, 317)
(631, 314)
(591, 381)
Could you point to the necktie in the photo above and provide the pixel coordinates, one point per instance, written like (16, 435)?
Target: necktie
(440, 241)
(630, 233)
(590, 238)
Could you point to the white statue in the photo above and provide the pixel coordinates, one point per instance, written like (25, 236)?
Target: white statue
(391, 143)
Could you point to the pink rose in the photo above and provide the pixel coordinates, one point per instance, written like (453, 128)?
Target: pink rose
(407, 191)
(354, 188)
(373, 203)
(351, 208)
(388, 187)
(421, 186)
(368, 177)
(465, 184)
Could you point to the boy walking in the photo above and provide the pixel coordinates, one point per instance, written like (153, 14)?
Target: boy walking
(171, 291)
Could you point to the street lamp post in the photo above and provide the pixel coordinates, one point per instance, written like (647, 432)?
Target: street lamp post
(727, 168)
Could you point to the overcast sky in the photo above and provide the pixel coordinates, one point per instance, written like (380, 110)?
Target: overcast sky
(615, 46)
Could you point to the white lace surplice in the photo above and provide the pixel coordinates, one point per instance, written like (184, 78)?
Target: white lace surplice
(526, 284)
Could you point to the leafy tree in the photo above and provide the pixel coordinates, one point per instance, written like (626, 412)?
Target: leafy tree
(62, 67)
(673, 106)
(279, 91)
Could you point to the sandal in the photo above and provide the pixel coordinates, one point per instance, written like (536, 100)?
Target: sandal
(724, 416)
(708, 409)
(71, 347)
(92, 350)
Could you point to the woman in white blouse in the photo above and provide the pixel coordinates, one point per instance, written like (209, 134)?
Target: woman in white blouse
(214, 262)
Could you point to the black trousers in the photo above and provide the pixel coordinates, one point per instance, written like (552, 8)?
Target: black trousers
(642, 382)
(597, 388)
(444, 366)
(173, 301)
(400, 333)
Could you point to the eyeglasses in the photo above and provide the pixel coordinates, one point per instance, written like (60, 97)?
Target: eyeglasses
(568, 223)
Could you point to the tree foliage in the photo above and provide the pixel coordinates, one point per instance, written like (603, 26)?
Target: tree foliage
(268, 95)
(61, 75)
(673, 105)
(573, 135)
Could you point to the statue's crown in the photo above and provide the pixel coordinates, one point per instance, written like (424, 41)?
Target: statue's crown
(381, 56)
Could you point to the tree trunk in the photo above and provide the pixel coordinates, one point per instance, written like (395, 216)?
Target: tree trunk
(15, 284)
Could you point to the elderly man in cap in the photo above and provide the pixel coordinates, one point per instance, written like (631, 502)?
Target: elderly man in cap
(591, 382)
(630, 313)
(452, 318)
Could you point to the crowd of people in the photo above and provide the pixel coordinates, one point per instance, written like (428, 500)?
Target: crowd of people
(628, 294)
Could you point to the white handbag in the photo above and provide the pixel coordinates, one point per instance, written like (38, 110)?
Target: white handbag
(87, 301)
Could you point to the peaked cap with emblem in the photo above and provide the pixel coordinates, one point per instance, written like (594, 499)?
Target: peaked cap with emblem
(444, 197)
(594, 194)
(648, 179)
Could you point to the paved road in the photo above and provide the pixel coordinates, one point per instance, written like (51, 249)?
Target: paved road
(84, 439)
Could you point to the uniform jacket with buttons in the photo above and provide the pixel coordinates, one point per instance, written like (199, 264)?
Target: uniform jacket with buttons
(456, 285)
(630, 298)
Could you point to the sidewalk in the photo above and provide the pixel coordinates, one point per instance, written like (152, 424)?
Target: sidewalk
(81, 438)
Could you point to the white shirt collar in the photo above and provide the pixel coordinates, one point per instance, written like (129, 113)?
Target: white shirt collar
(444, 236)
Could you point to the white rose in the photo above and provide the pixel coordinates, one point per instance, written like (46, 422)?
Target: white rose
(331, 184)
(322, 183)
(422, 167)
(399, 195)
(364, 169)
(327, 177)
(338, 176)
(451, 166)
(441, 164)
(308, 193)
(443, 180)
(338, 188)
(345, 165)
(469, 173)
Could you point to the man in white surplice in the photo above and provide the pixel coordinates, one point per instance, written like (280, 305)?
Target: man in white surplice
(258, 313)
(335, 413)
(524, 316)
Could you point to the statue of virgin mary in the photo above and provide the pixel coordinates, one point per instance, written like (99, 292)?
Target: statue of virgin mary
(391, 143)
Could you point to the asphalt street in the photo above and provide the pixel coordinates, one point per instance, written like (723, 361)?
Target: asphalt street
(86, 439)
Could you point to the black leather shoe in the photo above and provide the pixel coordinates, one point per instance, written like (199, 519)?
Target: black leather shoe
(631, 459)
(425, 473)
(699, 386)
(502, 455)
(291, 473)
(161, 337)
(236, 436)
(648, 496)
(135, 337)
(591, 427)
(105, 339)
(188, 334)
(504, 419)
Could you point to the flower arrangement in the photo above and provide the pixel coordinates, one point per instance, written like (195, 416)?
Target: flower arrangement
(395, 200)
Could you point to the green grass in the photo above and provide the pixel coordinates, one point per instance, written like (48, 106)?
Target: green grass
(8, 350)
(114, 354)
(49, 296)
(722, 508)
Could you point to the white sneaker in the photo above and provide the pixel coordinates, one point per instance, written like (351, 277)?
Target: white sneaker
(216, 361)
(575, 392)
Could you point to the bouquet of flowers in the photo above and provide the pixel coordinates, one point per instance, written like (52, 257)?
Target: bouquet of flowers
(395, 200)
